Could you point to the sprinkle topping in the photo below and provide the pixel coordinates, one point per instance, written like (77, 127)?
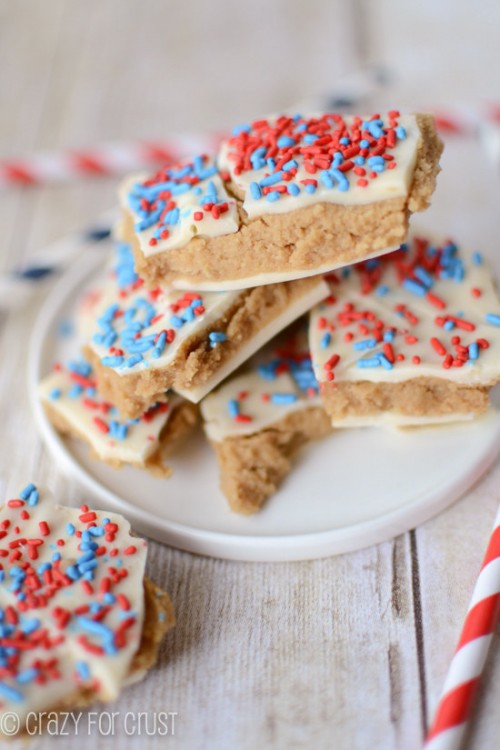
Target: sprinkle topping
(424, 319)
(278, 380)
(74, 397)
(179, 203)
(138, 329)
(283, 162)
(61, 613)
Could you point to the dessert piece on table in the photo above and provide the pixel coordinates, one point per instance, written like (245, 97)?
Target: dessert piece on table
(257, 421)
(75, 408)
(79, 620)
(286, 197)
(409, 338)
(147, 341)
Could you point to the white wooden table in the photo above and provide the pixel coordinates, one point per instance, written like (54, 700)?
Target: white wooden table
(347, 652)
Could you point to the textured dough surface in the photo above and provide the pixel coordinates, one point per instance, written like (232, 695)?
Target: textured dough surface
(252, 466)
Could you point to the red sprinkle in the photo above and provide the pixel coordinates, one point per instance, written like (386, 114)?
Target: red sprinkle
(437, 345)
(44, 528)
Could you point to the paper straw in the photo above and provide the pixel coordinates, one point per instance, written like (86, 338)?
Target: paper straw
(20, 285)
(454, 710)
(107, 160)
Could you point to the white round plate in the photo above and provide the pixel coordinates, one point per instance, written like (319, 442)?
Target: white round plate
(356, 488)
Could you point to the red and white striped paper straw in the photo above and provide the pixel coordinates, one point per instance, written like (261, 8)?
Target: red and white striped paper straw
(455, 707)
(105, 160)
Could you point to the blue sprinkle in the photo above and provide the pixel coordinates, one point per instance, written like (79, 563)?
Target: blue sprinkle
(255, 190)
(291, 164)
(73, 572)
(413, 286)
(473, 350)
(293, 189)
(365, 344)
(382, 290)
(75, 391)
(493, 319)
(385, 362)
(401, 132)
(176, 321)
(83, 670)
(283, 398)
(188, 315)
(326, 179)
(11, 693)
(217, 337)
(310, 188)
(55, 394)
(56, 556)
(109, 598)
(285, 141)
(26, 492)
(81, 368)
(96, 628)
(233, 408)
(112, 361)
(369, 362)
(477, 258)
(374, 128)
(271, 179)
(134, 360)
(343, 182)
(33, 498)
(364, 143)
(424, 276)
(309, 138)
(160, 345)
(449, 325)
(29, 626)
(241, 129)
(325, 340)
(273, 196)
(27, 676)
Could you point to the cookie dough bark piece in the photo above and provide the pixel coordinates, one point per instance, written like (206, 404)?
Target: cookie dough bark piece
(74, 407)
(295, 196)
(80, 620)
(411, 338)
(258, 421)
(146, 342)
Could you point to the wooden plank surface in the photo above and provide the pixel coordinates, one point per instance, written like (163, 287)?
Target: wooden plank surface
(347, 652)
